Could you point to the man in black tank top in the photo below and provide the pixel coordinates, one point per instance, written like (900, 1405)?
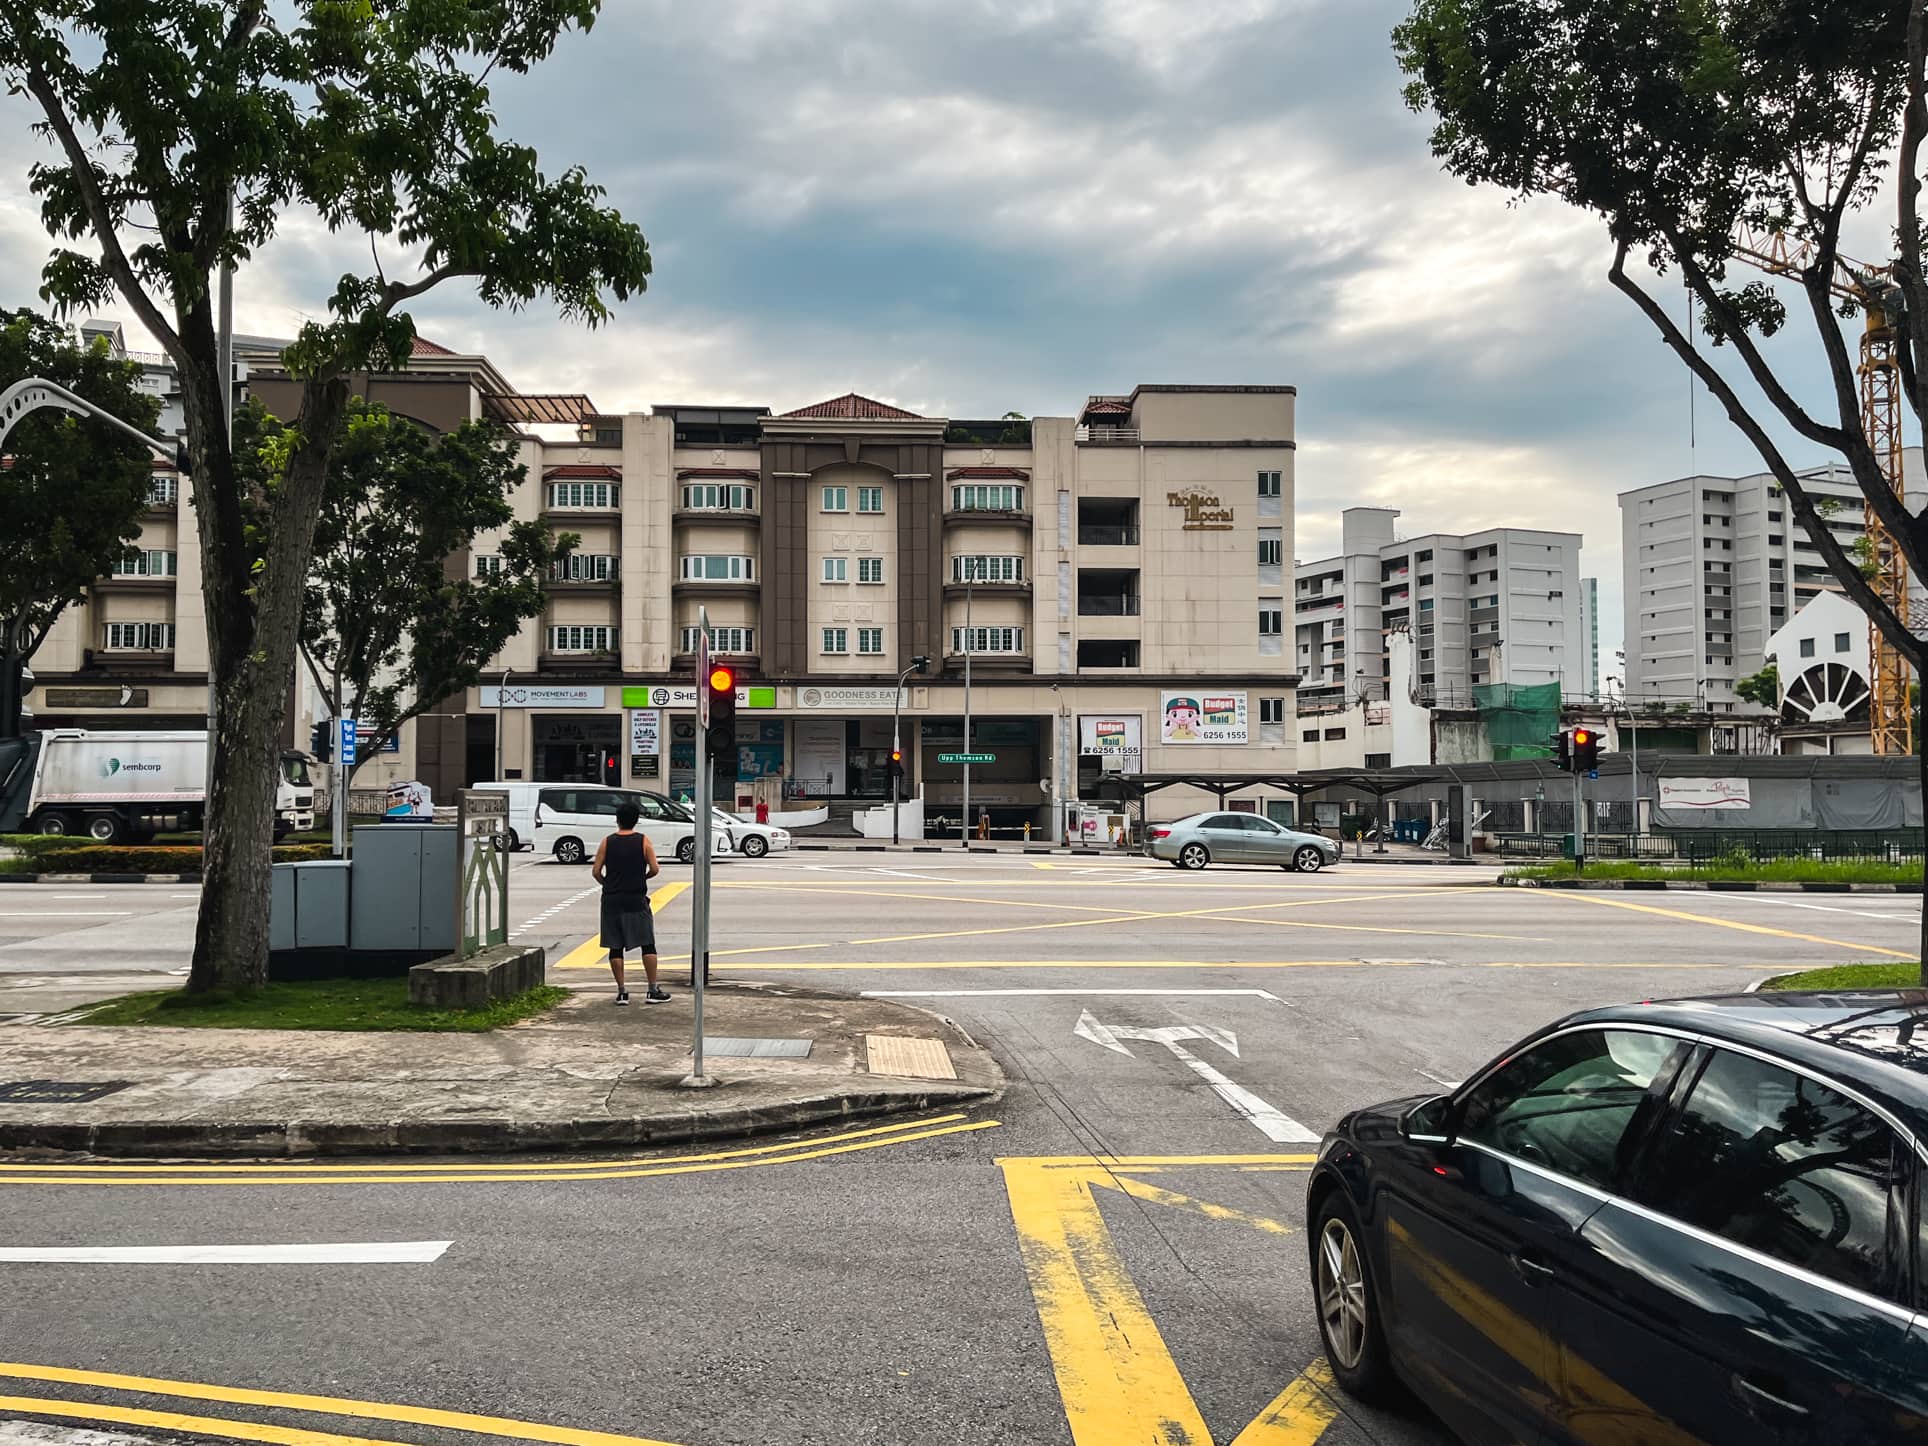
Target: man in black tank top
(625, 863)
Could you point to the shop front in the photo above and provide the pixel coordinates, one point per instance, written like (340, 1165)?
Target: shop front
(575, 747)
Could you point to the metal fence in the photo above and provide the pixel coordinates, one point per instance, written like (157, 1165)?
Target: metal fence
(1708, 846)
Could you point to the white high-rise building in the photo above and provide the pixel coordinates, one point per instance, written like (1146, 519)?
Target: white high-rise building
(1500, 605)
(1714, 567)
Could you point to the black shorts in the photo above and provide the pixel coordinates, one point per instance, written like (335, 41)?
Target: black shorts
(628, 924)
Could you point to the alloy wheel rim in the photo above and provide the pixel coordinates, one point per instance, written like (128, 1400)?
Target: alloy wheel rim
(1308, 860)
(1194, 856)
(1342, 1295)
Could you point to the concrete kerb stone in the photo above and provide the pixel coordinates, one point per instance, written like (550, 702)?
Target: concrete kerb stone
(194, 878)
(1709, 886)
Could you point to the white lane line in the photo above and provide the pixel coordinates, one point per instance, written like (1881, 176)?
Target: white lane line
(184, 896)
(996, 993)
(61, 913)
(553, 910)
(1894, 917)
(395, 1252)
(75, 898)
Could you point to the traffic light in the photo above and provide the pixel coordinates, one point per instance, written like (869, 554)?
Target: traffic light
(1586, 750)
(896, 769)
(612, 773)
(721, 683)
(1563, 752)
(321, 741)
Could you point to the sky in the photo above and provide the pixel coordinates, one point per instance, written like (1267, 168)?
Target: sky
(980, 206)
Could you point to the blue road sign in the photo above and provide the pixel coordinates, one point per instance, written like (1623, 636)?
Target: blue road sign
(347, 750)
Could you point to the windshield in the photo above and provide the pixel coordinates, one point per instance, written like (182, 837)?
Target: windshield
(294, 768)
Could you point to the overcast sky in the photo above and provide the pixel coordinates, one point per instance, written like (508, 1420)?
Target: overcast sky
(985, 205)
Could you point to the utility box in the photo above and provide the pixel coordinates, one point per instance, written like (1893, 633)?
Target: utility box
(404, 894)
(308, 919)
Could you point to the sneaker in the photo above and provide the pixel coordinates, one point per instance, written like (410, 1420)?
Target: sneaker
(656, 995)
(622, 996)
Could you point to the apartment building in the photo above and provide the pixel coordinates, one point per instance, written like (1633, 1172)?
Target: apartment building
(1714, 567)
(1590, 637)
(1116, 578)
(1499, 605)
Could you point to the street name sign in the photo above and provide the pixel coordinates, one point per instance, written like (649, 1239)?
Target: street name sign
(967, 758)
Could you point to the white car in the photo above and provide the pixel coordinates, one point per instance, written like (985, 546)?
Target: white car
(754, 840)
(571, 819)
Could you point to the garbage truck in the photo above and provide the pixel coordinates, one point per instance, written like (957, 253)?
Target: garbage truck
(112, 787)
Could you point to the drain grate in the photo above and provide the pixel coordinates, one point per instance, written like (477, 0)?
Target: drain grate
(909, 1058)
(728, 1048)
(57, 1092)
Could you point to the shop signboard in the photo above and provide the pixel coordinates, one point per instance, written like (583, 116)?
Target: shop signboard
(848, 700)
(683, 695)
(1118, 741)
(645, 732)
(1203, 716)
(517, 695)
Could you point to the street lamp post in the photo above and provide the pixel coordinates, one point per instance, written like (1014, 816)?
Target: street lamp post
(501, 720)
(1633, 749)
(917, 665)
(964, 829)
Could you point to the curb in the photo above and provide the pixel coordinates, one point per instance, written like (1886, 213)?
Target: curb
(1709, 886)
(260, 1138)
(100, 878)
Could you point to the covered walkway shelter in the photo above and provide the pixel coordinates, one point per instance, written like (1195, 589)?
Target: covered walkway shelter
(1135, 789)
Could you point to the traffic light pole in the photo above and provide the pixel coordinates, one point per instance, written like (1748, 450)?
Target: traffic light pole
(1579, 822)
(705, 826)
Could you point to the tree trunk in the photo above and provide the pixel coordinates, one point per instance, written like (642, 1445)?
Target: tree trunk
(1921, 769)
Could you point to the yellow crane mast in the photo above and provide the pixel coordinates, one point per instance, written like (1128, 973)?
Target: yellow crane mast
(1890, 719)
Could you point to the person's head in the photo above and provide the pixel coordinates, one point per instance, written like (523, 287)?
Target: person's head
(626, 816)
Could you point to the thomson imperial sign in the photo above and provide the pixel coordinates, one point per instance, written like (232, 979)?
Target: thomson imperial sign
(1203, 510)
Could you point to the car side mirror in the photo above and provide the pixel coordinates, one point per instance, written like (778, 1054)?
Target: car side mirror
(1429, 1120)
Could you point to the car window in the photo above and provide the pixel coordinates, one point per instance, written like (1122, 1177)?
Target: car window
(652, 807)
(1769, 1159)
(1572, 1102)
(1262, 825)
(562, 800)
(1222, 820)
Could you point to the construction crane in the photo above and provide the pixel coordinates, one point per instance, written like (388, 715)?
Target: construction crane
(1890, 719)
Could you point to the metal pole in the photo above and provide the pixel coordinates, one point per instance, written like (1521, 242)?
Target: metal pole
(501, 719)
(896, 752)
(700, 913)
(969, 644)
(1633, 753)
(1579, 821)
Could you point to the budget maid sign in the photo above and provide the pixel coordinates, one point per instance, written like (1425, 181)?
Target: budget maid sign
(1201, 717)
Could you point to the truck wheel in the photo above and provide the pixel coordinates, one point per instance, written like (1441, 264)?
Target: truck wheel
(55, 824)
(106, 828)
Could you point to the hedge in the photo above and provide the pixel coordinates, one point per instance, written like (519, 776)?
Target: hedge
(68, 857)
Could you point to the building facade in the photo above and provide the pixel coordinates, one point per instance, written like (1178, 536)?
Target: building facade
(1500, 605)
(1116, 580)
(1714, 567)
(1590, 637)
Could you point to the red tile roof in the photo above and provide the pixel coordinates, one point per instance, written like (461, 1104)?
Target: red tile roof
(1107, 407)
(852, 408)
(584, 469)
(424, 347)
(1009, 474)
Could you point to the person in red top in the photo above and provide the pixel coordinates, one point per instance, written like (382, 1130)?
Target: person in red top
(625, 863)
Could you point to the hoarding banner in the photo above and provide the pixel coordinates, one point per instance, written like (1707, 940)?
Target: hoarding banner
(1702, 794)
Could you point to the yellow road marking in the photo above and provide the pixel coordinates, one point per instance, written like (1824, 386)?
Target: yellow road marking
(590, 954)
(1300, 1414)
(1158, 1195)
(786, 966)
(1040, 864)
(1381, 929)
(194, 1425)
(289, 1401)
(609, 1162)
(1721, 923)
(1116, 1376)
(667, 895)
(1105, 909)
(460, 1174)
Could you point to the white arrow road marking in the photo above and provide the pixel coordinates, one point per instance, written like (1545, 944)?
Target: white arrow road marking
(1272, 1123)
(392, 1252)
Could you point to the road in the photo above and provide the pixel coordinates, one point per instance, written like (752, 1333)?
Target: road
(979, 1278)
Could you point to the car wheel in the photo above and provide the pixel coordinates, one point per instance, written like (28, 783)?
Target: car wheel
(1348, 1305)
(569, 851)
(1308, 860)
(106, 828)
(1194, 856)
(686, 851)
(54, 824)
(514, 840)
(755, 846)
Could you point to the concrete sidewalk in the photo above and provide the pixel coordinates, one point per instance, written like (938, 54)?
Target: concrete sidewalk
(588, 1074)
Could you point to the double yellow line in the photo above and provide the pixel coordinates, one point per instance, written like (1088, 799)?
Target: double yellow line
(303, 1172)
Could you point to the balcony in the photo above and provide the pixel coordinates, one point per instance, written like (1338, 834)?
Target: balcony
(982, 516)
(717, 586)
(1108, 592)
(1103, 436)
(1107, 606)
(987, 587)
(746, 516)
(1099, 536)
(1106, 653)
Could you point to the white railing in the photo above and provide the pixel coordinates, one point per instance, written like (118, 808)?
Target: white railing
(1108, 434)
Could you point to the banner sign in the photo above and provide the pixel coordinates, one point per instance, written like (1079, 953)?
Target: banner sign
(843, 700)
(1702, 794)
(1119, 741)
(1202, 717)
(547, 696)
(683, 695)
(645, 733)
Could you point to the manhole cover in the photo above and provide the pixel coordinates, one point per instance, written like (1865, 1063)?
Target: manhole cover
(727, 1048)
(56, 1091)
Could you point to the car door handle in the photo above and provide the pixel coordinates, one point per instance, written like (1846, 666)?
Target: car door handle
(1755, 1391)
(1531, 1269)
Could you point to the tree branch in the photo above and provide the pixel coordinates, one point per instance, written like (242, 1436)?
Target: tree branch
(396, 292)
(321, 683)
(114, 258)
(1907, 271)
(1802, 505)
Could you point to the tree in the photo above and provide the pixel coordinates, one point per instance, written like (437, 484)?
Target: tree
(72, 493)
(386, 632)
(1762, 689)
(1687, 127)
(184, 130)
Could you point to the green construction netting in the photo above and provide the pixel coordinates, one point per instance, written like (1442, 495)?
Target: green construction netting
(1520, 721)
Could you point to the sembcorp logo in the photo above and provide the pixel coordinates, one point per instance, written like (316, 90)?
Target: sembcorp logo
(109, 767)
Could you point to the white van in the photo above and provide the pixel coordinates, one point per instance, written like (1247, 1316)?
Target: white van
(522, 809)
(570, 819)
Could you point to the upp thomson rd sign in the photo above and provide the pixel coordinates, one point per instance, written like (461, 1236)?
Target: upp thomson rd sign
(1203, 511)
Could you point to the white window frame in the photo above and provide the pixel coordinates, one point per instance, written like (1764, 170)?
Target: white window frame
(1271, 622)
(836, 641)
(836, 499)
(988, 567)
(139, 638)
(870, 641)
(869, 495)
(836, 569)
(1270, 484)
(719, 497)
(870, 570)
(581, 638)
(722, 639)
(585, 567)
(148, 562)
(488, 564)
(988, 640)
(1271, 552)
(163, 491)
(692, 567)
(1271, 710)
(583, 496)
(987, 497)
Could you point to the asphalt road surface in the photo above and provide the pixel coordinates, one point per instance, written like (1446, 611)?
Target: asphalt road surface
(1113, 1253)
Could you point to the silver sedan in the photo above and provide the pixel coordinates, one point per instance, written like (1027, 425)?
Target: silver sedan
(1238, 838)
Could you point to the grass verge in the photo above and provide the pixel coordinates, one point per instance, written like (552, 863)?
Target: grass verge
(1899, 975)
(343, 1004)
(1778, 871)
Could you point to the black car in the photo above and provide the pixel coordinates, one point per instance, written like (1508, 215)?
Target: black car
(1692, 1220)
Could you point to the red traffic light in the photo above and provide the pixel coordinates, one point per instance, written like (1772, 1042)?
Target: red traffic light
(722, 679)
(1581, 737)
